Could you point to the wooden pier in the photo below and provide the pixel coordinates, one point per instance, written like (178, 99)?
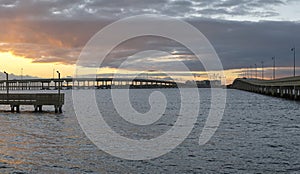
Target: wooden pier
(37, 100)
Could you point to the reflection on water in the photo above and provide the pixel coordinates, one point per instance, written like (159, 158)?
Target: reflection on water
(257, 134)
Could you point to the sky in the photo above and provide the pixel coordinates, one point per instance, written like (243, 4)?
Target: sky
(39, 36)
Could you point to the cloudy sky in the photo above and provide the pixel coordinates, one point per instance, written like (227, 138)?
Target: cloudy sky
(38, 36)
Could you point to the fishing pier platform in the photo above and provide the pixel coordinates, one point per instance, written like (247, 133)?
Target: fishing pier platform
(38, 100)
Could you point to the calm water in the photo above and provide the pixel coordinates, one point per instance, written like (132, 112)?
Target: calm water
(258, 134)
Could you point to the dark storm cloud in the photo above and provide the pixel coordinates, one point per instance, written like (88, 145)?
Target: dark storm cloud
(239, 44)
(238, 7)
(57, 30)
(95, 9)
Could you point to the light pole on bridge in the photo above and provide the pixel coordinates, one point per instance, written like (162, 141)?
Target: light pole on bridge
(262, 70)
(251, 71)
(7, 86)
(255, 71)
(58, 82)
(21, 73)
(274, 64)
(294, 50)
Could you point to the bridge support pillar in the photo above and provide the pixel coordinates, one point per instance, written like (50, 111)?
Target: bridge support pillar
(58, 109)
(12, 108)
(38, 108)
(18, 109)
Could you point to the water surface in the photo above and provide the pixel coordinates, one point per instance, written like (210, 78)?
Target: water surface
(258, 134)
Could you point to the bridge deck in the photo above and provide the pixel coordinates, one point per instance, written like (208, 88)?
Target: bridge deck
(285, 88)
(83, 83)
(37, 100)
(289, 81)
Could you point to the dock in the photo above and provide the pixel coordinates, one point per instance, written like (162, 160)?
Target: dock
(37, 100)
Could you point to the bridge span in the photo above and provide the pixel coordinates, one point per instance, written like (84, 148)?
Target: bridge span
(288, 88)
(83, 83)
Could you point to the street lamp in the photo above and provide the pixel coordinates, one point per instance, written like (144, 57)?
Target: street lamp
(58, 82)
(262, 70)
(21, 73)
(7, 86)
(255, 71)
(274, 61)
(294, 50)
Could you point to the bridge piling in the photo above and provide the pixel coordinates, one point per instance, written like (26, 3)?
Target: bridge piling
(13, 107)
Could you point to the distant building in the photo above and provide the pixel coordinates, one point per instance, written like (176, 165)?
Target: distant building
(215, 83)
(206, 83)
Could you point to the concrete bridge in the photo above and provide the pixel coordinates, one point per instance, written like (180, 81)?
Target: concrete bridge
(83, 83)
(288, 88)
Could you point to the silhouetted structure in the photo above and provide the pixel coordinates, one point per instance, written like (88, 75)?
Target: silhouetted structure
(37, 100)
(206, 83)
(84, 83)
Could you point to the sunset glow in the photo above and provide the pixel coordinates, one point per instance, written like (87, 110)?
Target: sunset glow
(14, 64)
(36, 43)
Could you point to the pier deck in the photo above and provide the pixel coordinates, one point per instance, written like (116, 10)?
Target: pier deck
(37, 100)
